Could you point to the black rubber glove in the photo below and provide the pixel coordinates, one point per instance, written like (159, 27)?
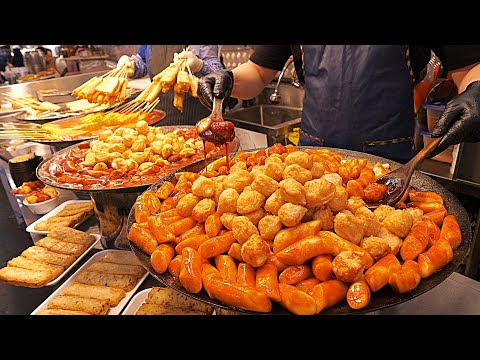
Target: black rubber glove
(460, 121)
(218, 84)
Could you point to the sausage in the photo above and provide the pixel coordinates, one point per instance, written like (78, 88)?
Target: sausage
(322, 267)
(439, 255)
(235, 251)
(143, 238)
(161, 257)
(297, 301)
(194, 242)
(191, 270)
(245, 275)
(242, 297)
(295, 233)
(358, 294)
(213, 224)
(329, 293)
(416, 241)
(307, 285)
(216, 245)
(405, 279)
(294, 274)
(160, 231)
(226, 267)
(303, 250)
(266, 281)
(181, 226)
(451, 231)
(377, 276)
(174, 266)
(340, 244)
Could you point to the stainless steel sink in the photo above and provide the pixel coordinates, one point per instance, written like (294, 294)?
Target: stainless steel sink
(275, 121)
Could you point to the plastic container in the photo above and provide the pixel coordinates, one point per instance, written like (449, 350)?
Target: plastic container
(434, 111)
(445, 156)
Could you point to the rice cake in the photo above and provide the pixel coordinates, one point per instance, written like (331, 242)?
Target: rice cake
(41, 254)
(70, 235)
(61, 247)
(78, 303)
(125, 282)
(112, 268)
(25, 277)
(110, 294)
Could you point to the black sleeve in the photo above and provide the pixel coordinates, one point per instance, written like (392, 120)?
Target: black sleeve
(457, 56)
(271, 56)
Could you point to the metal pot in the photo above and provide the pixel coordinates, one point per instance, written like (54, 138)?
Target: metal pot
(34, 61)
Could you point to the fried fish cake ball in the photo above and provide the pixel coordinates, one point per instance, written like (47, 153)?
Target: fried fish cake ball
(227, 220)
(334, 178)
(114, 139)
(218, 189)
(101, 156)
(142, 127)
(255, 216)
(243, 228)
(292, 191)
(238, 165)
(258, 169)
(339, 199)
(138, 145)
(348, 266)
(131, 164)
(203, 187)
(317, 170)
(89, 158)
(299, 158)
(264, 184)
(269, 226)
(274, 168)
(50, 191)
(157, 146)
(255, 251)
(298, 173)
(326, 215)
(319, 192)
(105, 134)
(150, 137)
(203, 210)
(348, 227)
(369, 221)
(399, 222)
(227, 201)
(120, 164)
(377, 247)
(145, 165)
(394, 241)
(238, 180)
(416, 213)
(117, 147)
(274, 202)
(139, 157)
(353, 203)
(186, 204)
(126, 154)
(167, 150)
(101, 166)
(291, 214)
(249, 200)
(382, 211)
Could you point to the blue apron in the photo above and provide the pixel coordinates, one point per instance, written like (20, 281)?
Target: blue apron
(359, 97)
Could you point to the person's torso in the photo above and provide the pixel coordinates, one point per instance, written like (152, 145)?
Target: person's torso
(160, 57)
(359, 97)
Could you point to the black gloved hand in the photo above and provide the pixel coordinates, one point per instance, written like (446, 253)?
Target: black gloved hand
(218, 84)
(460, 121)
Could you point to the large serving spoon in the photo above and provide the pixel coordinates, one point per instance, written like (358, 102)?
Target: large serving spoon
(398, 180)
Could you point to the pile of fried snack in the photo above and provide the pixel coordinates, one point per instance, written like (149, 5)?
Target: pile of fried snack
(43, 262)
(99, 287)
(36, 191)
(177, 76)
(292, 227)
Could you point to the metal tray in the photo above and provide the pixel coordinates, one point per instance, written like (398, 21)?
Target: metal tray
(381, 299)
